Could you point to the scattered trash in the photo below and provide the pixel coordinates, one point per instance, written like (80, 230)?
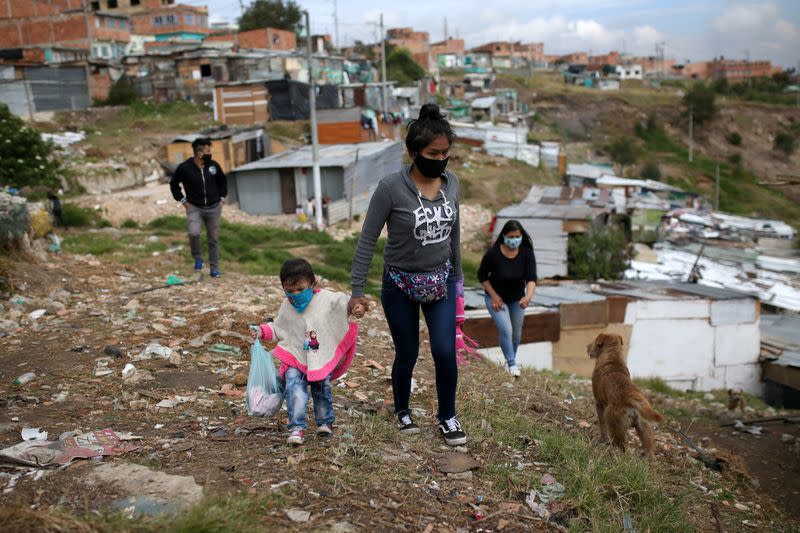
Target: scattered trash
(101, 369)
(627, 523)
(548, 479)
(100, 443)
(61, 396)
(753, 430)
(741, 507)
(371, 363)
(128, 371)
(165, 404)
(27, 377)
(584, 424)
(551, 492)
(172, 279)
(787, 438)
(225, 349)
(264, 391)
(298, 515)
(456, 462)
(540, 509)
(154, 350)
(12, 481)
(33, 434)
(36, 315)
(137, 506)
(55, 244)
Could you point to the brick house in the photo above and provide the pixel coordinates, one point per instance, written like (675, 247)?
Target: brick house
(416, 42)
(262, 38)
(449, 53)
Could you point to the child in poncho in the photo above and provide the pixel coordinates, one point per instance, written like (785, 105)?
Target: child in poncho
(316, 344)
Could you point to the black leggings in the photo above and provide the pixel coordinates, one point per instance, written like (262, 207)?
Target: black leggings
(402, 314)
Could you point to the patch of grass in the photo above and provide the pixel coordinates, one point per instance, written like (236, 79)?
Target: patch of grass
(91, 243)
(658, 385)
(602, 483)
(213, 514)
(78, 217)
(285, 129)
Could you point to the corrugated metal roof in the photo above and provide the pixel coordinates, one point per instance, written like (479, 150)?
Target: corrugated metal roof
(558, 211)
(484, 102)
(583, 170)
(333, 155)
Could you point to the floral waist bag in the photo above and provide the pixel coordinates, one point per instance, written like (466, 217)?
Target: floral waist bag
(422, 287)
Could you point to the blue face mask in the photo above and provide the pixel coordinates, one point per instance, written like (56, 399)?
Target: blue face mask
(301, 300)
(512, 242)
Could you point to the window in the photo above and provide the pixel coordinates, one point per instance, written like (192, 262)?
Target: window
(95, 6)
(104, 52)
(123, 24)
(135, 2)
(205, 70)
(158, 21)
(169, 20)
(188, 19)
(112, 4)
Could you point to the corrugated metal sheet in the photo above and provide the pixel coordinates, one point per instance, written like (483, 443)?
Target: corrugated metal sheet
(337, 155)
(55, 89)
(259, 192)
(12, 93)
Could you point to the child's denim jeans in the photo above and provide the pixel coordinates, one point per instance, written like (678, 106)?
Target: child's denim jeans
(297, 399)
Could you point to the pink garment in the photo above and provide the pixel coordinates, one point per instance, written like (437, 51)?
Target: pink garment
(465, 346)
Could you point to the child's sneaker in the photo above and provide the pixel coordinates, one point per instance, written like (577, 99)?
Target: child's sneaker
(324, 431)
(296, 437)
(514, 370)
(406, 424)
(452, 432)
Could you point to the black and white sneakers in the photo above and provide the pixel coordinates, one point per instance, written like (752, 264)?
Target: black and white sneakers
(406, 425)
(452, 432)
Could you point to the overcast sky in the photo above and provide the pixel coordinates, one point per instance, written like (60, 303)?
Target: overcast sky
(691, 29)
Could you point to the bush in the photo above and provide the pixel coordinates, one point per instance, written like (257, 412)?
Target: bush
(25, 158)
(785, 143)
(651, 171)
(121, 93)
(76, 216)
(734, 138)
(700, 99)
(601, 253)
(622, 152)
(736, 159)
(130, 224)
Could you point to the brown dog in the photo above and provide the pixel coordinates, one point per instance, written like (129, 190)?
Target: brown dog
(736, 399)
(620, 404)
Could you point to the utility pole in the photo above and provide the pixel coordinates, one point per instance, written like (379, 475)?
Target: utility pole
(749, 69)
(312, 104)
(716, 188)
(87, 69)
(691, 138)
(241, 7)
(445, 29)
(336, 24)
(383, 70)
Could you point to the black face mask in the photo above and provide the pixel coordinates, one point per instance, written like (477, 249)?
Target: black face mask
(206, 158)
(431, 168)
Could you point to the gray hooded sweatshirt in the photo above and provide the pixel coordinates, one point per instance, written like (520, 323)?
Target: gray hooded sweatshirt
(423, 234)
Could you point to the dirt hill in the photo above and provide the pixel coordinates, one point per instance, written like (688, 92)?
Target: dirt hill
(524, 434)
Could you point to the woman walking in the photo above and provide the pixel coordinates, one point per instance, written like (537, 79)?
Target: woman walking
(508, 275)
(422, 258)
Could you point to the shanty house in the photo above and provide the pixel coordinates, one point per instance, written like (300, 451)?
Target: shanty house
(691, 336)
(229, 147)
(279, 183)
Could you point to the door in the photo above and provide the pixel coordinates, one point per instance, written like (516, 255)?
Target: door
(288, 193)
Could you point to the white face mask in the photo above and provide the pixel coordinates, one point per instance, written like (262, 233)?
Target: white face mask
(513, 242)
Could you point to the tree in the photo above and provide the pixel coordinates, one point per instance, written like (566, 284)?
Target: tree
(401, 67)
(121, 93)
(622, 152)
(25, 156)
(700, 100)
(601, 253)
(651, 171)
(273, 14)
(608, 70)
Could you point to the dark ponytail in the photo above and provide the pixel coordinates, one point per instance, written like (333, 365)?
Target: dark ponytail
(510, 226)
(423, 130)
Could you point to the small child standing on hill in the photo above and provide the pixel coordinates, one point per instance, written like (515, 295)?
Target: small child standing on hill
(316, 344)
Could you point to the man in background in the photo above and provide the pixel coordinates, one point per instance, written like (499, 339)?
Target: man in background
(201, 187)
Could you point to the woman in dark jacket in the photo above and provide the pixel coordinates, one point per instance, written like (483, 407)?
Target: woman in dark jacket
(508, 275)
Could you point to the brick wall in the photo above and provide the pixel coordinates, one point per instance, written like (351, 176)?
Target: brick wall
(35, 8)
(270, 38)
(183, 19)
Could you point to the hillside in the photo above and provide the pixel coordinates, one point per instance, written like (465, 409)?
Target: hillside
(764, 182)
(522, 433)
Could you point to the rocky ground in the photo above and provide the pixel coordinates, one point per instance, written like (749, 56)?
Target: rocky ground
(186, 416)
